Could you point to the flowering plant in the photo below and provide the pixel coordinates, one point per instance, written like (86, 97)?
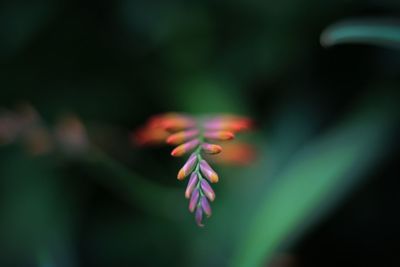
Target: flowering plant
(198, 136)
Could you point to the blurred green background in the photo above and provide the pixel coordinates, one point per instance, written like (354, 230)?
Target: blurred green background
(78, 77)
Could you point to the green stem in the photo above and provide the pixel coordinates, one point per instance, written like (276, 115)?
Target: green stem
(197, 169)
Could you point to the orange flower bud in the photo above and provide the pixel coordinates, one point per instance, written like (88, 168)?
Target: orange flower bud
(219, 135)
(180, 137)
(184, 148)
(211, 148)
(208, 172)
(188, 167)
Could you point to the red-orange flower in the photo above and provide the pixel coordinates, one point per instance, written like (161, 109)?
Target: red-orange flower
(196, 136)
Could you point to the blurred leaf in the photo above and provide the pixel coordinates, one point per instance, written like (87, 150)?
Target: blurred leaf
(363, 31)
(315, 179)
(141, 192)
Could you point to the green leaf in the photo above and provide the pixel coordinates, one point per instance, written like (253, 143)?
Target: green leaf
(314, 180)
(364, 31)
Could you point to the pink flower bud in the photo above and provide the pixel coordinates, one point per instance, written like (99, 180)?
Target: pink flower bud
(208, 172)
(229, 123)
(193, 200)
(180, 137)
(219, 135)
(211, 148)
(206, 206)
(207, 190)
(187, 167)
(199, 217)
(191, 185)
(184, 148)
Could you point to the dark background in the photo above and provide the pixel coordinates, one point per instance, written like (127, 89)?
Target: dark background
(113, 64)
